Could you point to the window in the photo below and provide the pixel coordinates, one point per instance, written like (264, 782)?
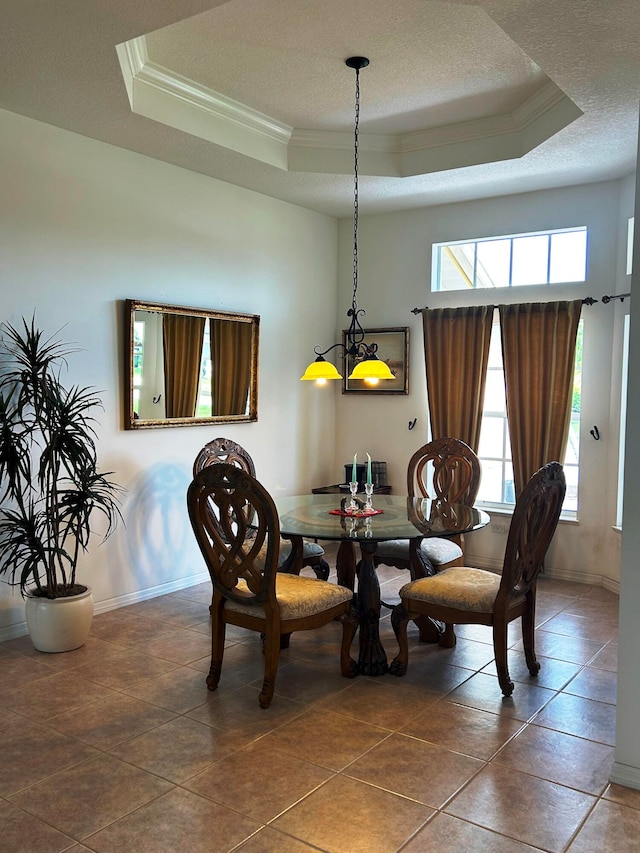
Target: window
(497, 487)
(549, 257)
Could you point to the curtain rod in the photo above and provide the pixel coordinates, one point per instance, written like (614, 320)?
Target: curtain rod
(589, 300)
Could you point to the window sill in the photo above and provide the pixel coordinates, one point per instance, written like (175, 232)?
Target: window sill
(507, 512)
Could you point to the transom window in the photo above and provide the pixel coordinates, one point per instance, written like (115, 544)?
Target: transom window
(545, 257)
(497, 485)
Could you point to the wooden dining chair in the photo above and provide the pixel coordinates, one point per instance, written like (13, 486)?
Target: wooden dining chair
(225, 450)
(465, 595)
(248, 589)
(447, 470)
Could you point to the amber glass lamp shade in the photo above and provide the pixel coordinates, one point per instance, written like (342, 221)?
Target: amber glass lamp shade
(371, 368)
(321, 370)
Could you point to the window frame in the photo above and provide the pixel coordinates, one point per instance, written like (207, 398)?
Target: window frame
(437, 267)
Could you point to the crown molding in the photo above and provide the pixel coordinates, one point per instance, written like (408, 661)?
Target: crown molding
(165, 96)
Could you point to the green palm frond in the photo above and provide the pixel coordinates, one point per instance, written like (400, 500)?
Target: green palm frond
(15, 467)
(50, 485)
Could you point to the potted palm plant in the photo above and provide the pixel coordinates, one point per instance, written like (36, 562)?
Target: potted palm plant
(50, 486)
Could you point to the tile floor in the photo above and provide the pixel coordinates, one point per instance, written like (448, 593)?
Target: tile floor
(118, 747)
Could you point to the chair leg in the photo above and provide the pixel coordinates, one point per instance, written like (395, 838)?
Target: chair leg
(528, 638)
(349, 621)
(399, 622)
(420, 566)
(217, 649)
(500, 652)
(320, 567)
(285, 639)
(448, 637)
(271, 658)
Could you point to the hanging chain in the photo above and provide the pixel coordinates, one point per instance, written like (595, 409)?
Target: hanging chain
(356, 137)
(354, 344)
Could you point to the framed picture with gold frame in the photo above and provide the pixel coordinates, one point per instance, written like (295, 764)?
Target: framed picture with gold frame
(393, 348)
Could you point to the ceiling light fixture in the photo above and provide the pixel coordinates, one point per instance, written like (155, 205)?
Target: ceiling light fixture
(367, 364)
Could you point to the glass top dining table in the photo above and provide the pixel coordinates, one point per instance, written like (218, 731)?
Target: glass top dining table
(314, 517)
(400, 518)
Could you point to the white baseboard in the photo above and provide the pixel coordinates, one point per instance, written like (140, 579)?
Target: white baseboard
(493, 565)
(19, 629)
(150, 592)
(624, 774)
(588, 578)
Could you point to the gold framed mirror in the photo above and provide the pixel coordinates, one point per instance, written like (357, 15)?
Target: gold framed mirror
(189, 366)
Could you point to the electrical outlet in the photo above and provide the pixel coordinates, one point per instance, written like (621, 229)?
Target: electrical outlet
(499, 527)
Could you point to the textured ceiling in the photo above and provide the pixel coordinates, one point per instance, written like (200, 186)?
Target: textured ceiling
(461, 100)
(285, 58)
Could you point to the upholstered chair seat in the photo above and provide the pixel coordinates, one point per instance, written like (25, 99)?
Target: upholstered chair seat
(310, 551)
(460, 586)
(297, 597)
(438, 551)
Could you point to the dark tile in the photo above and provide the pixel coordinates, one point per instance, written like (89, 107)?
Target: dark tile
(46, 697)
(592, 683)
(91, 795)
(405, 766)
(377, 820)
(109, 721)
(176, 750)
(246, 782)
(607, 658)
(463, 729)
(568, 760)
(163, 825)
(563, 647)
(584, 627)
(325, 738)
(22, 833)
(553, 674)
(610, 826)
(446, 833)
(483, 691)
(582, 717)
(546, 814)
(237, 712)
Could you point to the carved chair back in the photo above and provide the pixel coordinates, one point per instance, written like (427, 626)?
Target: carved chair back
(242, 560)
(446, 469)
(533, 524)
(224, 450)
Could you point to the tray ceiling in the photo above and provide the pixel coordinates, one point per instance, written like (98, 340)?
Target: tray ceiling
(460, 101)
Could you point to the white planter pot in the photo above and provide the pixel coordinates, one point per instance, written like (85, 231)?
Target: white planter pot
(59, 624)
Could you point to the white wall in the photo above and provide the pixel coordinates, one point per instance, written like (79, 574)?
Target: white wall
(83, 226)
(626, 769)
(395, 273)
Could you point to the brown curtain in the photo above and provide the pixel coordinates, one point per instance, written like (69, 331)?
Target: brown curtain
(230, 366)
(456, 348)
(182, 336)
(538, 349)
